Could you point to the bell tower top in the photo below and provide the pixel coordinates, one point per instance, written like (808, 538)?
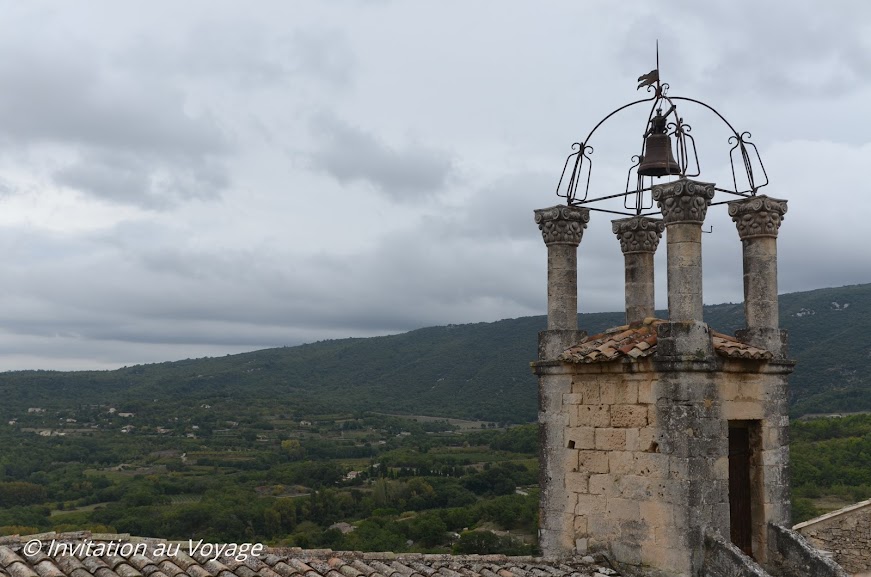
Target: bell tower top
(664, 443)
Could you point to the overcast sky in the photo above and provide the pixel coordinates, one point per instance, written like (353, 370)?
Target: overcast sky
(183, 179)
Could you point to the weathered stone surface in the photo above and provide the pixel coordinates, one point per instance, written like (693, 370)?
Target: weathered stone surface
(556, 534)
(594, 415)
(578, 483)
(758, 220)
(562, 228)
(845, 533)
(553, 342)
(581, 437)
(792, 556)
(626, 416)
(757, 216)
(723, 559)
(589, 388)
(642, 440)
(684, 263)
(562, 224)
(638, 233)
(684, 341)
(639, 286)
(684, 204)
(621, 462)
(683, 200)
(608, 439)
(647, 392)
(626, 391)
(562, 287)
(603, 485)
(593, 461)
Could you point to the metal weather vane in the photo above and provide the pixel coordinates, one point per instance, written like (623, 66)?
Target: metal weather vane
(648, 79)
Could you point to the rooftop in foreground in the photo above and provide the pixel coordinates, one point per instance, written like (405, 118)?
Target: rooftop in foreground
(147, 557)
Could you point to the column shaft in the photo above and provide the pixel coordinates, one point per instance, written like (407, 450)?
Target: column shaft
(639, 236)
(684, 204)
(639, 286)
(760, 282)
(562, 287)
(684, 246)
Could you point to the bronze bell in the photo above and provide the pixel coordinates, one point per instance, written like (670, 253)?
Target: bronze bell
(657, 159)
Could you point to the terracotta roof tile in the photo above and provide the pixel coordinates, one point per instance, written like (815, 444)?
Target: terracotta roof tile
(639, 341)
(15, 561)
(46, 568)
(362, 567)
(422, 568)
(19, 569)
(732, 347)
(8, 557)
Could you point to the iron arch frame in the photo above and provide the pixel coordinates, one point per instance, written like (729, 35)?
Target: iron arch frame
(577, 169)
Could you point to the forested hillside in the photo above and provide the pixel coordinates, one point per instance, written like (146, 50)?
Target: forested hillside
(292, 446)
(478, 371)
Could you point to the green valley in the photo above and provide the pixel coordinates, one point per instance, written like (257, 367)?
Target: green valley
(419, 441)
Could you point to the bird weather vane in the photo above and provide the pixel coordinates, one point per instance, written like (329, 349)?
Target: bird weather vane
(651, 77)
(648, 79)
(657, 157)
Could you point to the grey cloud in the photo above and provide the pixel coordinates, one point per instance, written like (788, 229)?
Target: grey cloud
(323, 54)
(799, 51)
(129, 133)
(243, 53)
(503, 209)
(154, 115)
(71, 97)
(148, 181)
(6, 187)
(350, 154)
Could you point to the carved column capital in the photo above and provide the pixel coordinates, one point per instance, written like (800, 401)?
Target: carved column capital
(562, 224)
(757, 216)
(683, 200)
(638, 233)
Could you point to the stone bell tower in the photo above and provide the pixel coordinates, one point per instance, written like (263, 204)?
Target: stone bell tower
(657, 431)
(664, 443)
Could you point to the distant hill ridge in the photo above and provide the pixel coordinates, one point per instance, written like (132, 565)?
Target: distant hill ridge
(478, 370)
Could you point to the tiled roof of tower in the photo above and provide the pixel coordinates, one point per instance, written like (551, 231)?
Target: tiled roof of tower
(639, 341)
(21, 557)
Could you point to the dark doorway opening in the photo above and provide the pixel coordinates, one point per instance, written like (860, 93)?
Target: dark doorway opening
(740, 486)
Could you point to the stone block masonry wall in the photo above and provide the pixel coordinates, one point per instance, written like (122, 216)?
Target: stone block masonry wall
(846, 534)
(645, 455)
(627, 499)
(695, 436)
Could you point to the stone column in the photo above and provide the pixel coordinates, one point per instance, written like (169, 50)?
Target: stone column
(562, 228)
(684, 204)
(639, 236)
(758, 220)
